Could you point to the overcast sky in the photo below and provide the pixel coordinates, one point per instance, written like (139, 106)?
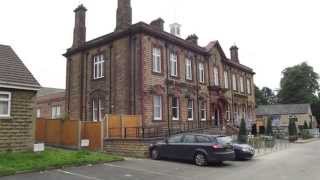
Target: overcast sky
(270, 34)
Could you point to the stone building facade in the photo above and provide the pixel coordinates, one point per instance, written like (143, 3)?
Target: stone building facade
(18, 89)
(140, 69)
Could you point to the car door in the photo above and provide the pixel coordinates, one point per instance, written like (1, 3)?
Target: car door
(171, 148)
(188, 146)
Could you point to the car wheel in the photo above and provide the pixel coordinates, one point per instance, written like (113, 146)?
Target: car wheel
(155, 155)
(200, 159)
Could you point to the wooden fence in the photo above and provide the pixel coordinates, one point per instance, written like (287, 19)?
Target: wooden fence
(70, 133)
(58, 132)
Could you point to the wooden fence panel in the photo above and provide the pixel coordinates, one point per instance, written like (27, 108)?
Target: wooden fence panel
(131, 125)
(53, 132)
(114, 126)
(122, 126)
(40, 130)
(92, 132)
(70, 133)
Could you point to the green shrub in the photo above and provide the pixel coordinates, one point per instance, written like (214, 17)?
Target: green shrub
(305, 125)
(305, 134)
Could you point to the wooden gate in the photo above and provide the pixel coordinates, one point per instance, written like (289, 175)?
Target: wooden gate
(122, 126)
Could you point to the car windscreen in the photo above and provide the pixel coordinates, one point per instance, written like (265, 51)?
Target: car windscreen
(224, 140)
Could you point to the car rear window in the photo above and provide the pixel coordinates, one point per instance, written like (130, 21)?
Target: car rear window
(203, 139)
(224, 140)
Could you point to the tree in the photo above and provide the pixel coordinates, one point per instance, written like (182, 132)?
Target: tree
(316, 111)
(269, 127)
(260, 98)
(269, 95)
(243, 135)
(299, 84)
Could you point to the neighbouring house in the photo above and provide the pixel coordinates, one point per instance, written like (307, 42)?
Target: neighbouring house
(50, 103)
(140, 69)
(281, 113)
(18, 89)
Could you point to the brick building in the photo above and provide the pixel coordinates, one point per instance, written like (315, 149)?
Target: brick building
(18, 89)
(142, 69)
(50, 103)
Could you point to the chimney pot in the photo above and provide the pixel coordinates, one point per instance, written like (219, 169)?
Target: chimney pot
(158, 24)
(79, 33)
(234, 53)
(124, 15)
(193, 38)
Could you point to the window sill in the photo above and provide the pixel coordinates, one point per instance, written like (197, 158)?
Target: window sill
(6, 118)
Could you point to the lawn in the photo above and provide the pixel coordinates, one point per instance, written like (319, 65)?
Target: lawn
(11, 163)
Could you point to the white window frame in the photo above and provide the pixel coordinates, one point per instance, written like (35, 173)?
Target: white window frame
(203, 108)
(8, 100)
(94, 111)
(249, 86)
(174, 64)
(56, 112)
(157, 106)
(226, 80)
(188, 69)
(175, 107)
(98, 66)
(216, 76)
(201, 73)
(241, 84)
(190, 109)
(101, 109)
(234, 82)
(156, 60)
(38, 113)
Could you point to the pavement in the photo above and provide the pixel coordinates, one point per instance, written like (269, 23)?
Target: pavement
(300, 161)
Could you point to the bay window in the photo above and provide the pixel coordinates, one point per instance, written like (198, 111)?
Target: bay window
(173, 64)
(188, 69)
(156, 59)
(216, 76)
(175, 108)
(201, 72)
(190, 110)
(157, 108)
(203, 111)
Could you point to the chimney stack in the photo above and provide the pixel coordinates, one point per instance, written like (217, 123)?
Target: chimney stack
(158, 24)
(79, 33)
(234, 53)
(193, 38)
(124, 15)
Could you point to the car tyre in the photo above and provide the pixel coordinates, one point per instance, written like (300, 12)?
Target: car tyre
(155, 155)
(200, 159)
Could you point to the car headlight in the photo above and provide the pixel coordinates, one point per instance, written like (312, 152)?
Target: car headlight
(246, 149)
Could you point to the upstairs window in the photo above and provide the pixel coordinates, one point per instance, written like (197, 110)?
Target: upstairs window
(188, 69)
(175, 108)
(98, 67)
(249, 86)
(234, 82)
(201, 73)
(56, 112)
(156, 60)
(190, 110)
(216, 76)
(157, 108)
(226, 80)
(5, 104)
(241, 84)
(174, 64)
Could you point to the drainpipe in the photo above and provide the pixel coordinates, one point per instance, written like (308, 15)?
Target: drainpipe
(197, 80)
(167, 85)
(110, 75)
(142, 80)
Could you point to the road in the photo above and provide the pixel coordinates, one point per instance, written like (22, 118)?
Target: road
(299, 162)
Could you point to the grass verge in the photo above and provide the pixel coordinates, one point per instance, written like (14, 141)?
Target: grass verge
(17, 162)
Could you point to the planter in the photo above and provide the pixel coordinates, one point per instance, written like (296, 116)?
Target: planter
(293, 138)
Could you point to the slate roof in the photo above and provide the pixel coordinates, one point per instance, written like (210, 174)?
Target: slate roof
(48, 91)
(283, 109)
(13, 73)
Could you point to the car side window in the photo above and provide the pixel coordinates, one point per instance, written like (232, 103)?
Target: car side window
(203, 139)
(189, 139)
(175, 139)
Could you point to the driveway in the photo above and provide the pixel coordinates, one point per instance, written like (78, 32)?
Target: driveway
(300, 161)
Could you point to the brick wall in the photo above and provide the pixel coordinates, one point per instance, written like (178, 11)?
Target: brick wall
(127, 148)
(45, 104)
(17, 133)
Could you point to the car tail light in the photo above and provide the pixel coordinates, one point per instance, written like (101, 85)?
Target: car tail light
(217, 146)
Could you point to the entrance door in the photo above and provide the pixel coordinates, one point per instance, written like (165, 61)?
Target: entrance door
(216, 118)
